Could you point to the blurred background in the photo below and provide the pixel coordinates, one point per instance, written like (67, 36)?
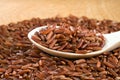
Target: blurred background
(17, 10)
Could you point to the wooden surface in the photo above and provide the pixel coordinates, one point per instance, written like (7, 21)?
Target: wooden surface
(17, 10)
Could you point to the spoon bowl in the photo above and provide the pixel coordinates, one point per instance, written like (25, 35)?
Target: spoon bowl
(112, 41)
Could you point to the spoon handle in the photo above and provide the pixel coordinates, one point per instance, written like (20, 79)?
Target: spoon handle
(115, 36)
(112, 41)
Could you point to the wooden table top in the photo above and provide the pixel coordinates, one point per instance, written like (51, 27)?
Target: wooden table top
(17, 10)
